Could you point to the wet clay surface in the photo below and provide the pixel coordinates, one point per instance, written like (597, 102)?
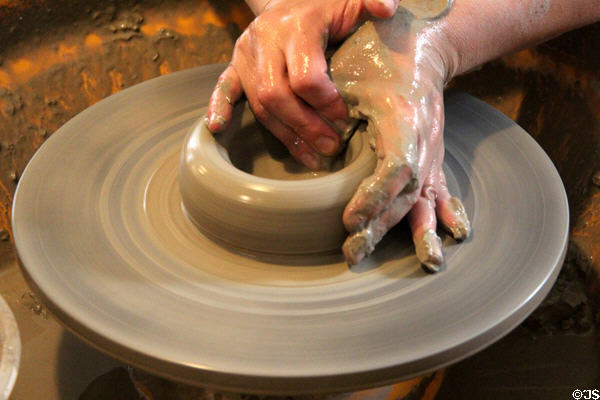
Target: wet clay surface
(389, 76)
(363, 69)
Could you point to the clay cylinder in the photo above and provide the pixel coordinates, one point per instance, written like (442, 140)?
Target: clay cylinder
(242, 188)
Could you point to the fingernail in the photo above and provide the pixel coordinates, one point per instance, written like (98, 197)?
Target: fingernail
(310, 160)
(326, 145)
(216, 122)
(462, 227)
(429, 251)
(390, 4)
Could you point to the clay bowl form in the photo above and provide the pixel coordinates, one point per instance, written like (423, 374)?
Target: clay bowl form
(102, 235)
(243, 188)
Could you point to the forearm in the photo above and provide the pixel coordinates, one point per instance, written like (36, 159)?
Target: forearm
(481, 30)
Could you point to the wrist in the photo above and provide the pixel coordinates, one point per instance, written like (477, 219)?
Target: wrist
(447, 53)
(452, 45)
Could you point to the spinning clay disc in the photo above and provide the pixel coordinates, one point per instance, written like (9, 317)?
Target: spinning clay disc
(100, 232)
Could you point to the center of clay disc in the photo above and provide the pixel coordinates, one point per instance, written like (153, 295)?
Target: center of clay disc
(254, 150)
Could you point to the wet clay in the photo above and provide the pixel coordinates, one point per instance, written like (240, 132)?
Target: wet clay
(460, 226)
(371, 73)
(503, 84)
(243, 188)
(429, 249)
(363, 69)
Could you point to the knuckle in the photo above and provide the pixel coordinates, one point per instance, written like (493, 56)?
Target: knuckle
(260, 113)
(257, 27)
(429, 193)
(377, 195)
(241, 44)
(268, 95)
(305, 129)
(397, 166)
(307, 82)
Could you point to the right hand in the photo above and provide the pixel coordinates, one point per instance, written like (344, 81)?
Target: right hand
(392, 73)
(279, 63)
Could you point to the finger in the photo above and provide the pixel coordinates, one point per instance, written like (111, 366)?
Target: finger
(227, 92)
(297, 147)
(450, 211)
(361, 243)
(376, 192)
(276, 96)
(381, 8)
(422, 220)
(396, 173)
(307, 70)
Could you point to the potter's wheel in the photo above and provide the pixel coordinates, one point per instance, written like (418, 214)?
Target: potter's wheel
(99, 230)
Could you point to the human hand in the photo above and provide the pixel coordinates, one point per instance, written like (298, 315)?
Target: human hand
(391, 73)
(279, 63)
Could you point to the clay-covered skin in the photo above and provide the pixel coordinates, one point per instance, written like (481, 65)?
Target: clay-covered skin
(429, 249)
(389, 73)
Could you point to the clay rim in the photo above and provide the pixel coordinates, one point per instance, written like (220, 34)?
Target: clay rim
(299, 190)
